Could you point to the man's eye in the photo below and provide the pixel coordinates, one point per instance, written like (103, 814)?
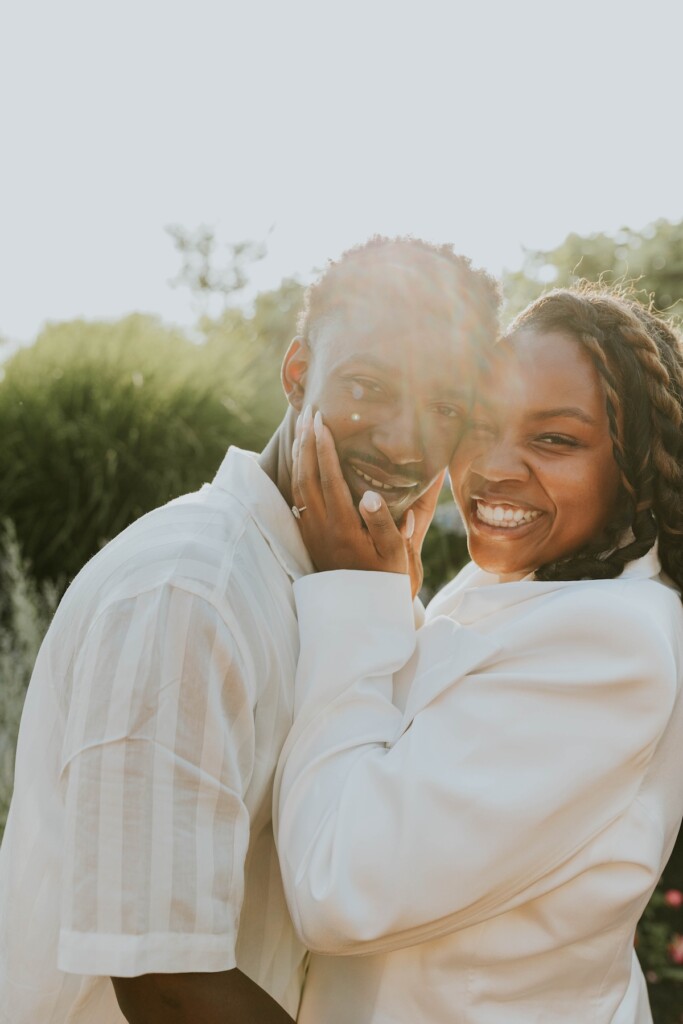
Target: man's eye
(363, 387)
(450, 411)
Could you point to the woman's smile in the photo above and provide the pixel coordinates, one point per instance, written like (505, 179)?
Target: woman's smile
(504, 515)
(535, 476)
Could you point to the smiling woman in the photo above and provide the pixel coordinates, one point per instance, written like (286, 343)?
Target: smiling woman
(482, 806)
(535, 476)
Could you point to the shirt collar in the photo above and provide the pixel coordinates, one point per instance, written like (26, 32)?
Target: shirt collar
(477, 594)
(241, 476)
(645, 567)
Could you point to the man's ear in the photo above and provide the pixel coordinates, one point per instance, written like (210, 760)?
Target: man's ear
(295, 365)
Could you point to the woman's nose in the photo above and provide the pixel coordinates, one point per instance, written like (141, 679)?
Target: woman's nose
(501, 460)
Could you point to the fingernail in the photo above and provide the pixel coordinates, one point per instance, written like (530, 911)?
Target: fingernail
(295, 449)
(308, 416)
(410, 524)
(297, 428)
(371, 501)
(318, 424)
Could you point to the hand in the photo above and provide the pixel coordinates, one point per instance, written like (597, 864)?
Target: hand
(331, 528)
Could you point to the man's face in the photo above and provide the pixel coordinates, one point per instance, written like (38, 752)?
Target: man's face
(392, 386)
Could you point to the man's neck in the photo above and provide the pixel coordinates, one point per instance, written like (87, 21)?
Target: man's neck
(276, 458)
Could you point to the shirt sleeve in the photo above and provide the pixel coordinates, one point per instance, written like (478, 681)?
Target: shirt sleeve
(509, 759)
(158, 751)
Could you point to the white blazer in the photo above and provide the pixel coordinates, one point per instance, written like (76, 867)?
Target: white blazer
(472, 816)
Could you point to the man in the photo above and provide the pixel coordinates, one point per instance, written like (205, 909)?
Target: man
(139, 844)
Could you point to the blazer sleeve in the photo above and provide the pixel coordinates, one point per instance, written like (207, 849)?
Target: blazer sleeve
(511, 755)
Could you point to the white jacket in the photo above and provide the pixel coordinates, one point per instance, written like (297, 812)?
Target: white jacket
(483, 807)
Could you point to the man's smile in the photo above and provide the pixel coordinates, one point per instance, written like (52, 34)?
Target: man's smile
(399, 489)
(381, 479)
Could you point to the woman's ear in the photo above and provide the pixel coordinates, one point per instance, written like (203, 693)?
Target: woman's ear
(294, 368)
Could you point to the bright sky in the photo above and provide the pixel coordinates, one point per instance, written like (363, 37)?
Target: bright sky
(494, 124)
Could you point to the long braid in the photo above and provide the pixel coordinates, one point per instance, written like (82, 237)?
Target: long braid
(639, 360)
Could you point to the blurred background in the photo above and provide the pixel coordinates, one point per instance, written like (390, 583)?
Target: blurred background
(173, 174)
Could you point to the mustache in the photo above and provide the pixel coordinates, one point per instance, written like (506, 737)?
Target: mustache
(391, 470)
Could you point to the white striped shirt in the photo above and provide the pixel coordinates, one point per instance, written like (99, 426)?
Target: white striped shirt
(139, 838)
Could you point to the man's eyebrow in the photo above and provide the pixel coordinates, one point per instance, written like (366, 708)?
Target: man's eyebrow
(570, 411)
(384, 366)
(367, 359)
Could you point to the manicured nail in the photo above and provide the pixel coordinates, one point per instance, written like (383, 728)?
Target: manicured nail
(410, 524)
(371, 501)
(318, 424)
(308, 416)
(297, 428)
(295, 449)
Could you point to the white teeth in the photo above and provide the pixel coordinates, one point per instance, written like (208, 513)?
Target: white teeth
(377, 483)
(508, 518)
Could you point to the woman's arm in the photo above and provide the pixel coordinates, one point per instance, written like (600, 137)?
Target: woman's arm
(392, 831)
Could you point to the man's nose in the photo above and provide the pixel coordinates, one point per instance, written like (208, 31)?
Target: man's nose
(399, 437)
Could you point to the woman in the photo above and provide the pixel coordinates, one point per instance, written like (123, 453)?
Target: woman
(473, 815)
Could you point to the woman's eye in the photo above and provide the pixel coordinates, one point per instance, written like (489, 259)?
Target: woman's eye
(557, 441)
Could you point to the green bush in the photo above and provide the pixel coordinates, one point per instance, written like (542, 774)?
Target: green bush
(444, 551)
(101, 422)
(25, 611)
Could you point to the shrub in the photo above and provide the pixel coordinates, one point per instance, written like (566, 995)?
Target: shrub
(101, 422)
(25, 611)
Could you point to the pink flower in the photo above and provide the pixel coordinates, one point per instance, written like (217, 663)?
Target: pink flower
(676, 949)
(673, 897)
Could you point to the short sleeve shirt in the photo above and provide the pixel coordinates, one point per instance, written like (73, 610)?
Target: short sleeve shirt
(139, 838)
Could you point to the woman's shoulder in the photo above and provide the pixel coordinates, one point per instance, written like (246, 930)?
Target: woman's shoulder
(637, 601)
(620, 628)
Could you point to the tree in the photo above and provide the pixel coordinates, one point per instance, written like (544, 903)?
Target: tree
(651, 259)
(202, 270)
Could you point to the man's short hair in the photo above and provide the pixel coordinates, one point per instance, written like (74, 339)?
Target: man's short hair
(405, 272)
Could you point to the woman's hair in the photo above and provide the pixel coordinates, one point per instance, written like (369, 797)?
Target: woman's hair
(639, 359)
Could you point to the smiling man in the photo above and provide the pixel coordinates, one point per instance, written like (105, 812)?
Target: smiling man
(139, 845)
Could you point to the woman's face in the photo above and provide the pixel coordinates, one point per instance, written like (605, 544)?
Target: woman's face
(534, 475)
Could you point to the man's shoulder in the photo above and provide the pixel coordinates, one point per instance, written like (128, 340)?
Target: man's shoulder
(205, 542)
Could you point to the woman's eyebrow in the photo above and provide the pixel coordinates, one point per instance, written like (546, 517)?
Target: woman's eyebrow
(571, 411)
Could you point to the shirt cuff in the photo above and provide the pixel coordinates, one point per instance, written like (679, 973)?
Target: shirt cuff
(127, 956)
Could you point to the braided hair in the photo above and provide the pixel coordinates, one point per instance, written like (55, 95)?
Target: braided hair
(639, 360)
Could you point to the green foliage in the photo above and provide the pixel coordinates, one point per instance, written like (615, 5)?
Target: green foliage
(25, 611)
(444, 551)
(249, 348)
(652, 259)
(659, 944)
(202, 270)
(101, 422)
